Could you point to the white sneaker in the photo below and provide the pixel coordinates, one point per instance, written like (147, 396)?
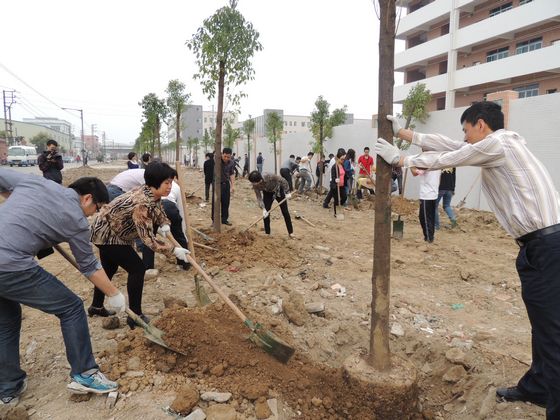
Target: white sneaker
(14, 400)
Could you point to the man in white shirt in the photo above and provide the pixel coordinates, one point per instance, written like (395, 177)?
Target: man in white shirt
(124, 182)
(522, 195)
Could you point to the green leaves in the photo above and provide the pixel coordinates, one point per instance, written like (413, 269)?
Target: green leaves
(322, 122)
(415, 108)
(230, 134)
(225, 37)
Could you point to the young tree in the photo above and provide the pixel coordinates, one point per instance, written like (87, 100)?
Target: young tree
(223, 47)
(273, 127)
(207, 140)
(154, 112)
(415, 109)
(322, 123)
(231, 134)
(40, 141)
(248, 129)
(177, 99)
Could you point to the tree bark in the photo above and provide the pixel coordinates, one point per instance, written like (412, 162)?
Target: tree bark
(248, 154)
(322, 158)
(158, 134)
(275, 158)
(217, 190)
(379, 353)
(178, 136)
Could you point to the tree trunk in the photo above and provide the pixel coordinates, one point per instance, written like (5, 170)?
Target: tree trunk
(218, 155)
(248, 154)
(178, 136)
(275, 157)
(322, 158)
(158, 134)
(379, 353)
(408, 121)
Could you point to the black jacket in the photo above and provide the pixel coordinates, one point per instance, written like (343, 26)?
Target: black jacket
(50, 163)
(208, 169)
(447, 180)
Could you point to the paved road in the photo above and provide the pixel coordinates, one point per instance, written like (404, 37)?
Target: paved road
(35, 169)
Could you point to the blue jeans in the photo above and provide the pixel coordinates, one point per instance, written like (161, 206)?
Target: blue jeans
(447, 195)
(41, 290)
(114, 191)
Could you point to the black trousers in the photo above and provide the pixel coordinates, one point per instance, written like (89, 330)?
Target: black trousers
(538, 266)
(172, 213)
(287, 175)
(207, 185)
(114, 256)
(268, 199)
(427, 216)
(225, 202)
(334, 194)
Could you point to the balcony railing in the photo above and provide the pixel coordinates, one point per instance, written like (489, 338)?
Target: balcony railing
(422, 18)
(422, 53)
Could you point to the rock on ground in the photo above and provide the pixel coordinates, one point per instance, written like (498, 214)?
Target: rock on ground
(221, 412)
(186, 399)
(262, 410)
(294, 308)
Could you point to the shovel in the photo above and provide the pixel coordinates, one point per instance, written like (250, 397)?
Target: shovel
(262, 217)
(155, 335)
(462, 203)
(398, 228)
(300, 217)
(263, 338)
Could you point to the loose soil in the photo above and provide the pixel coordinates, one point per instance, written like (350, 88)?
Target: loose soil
(456, 314)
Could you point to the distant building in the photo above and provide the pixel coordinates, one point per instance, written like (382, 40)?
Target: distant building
(92, 144)
(27, 130)
(64, 128)
(464, 50)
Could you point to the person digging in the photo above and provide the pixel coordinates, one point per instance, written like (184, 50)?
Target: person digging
(267, 187)
(525, 201)
(52, 214)
(128, 217)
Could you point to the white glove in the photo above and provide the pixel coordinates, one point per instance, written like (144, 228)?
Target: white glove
(261, 204)
(163, 230)
(116, 302)
(396, 125)
(387, 151)
(289, 195)
(265, 213)
(181, 253)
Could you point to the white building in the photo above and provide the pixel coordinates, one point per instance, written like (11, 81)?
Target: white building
(61, 127)
(465, 49)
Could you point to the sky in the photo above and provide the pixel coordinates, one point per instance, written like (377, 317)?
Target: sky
(104, 56)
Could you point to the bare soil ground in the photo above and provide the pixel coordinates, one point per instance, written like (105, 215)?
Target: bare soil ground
(456, 314)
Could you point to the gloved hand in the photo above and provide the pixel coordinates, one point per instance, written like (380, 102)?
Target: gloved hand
(396, 125)
(289, 195)
(163, 230)
(116, 302)
(265, 213)
(387, 151)
(181, 253)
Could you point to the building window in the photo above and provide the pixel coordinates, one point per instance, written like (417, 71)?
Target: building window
(440, 103)
(549, 91)
(443, 67)
(531, 45)
(445, 29)
(285, 123)
(497, 54)
(205, 119)
(528, 90)
(503, 8)
(522, 2)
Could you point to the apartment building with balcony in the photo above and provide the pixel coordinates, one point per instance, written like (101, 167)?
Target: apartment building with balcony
(463, 50)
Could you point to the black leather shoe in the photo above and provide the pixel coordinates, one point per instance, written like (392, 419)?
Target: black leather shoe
(226, 223)
(100, 312)
(514, 394)
(133, 324)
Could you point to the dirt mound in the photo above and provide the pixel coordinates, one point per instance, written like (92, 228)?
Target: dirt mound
(105, 174)
(219, 356)
(403, 206)
(249, 247)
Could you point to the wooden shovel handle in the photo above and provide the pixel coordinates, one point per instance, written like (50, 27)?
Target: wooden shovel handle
(216, 288)
(262, 217)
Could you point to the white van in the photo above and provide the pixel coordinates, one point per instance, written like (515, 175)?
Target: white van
(22, 155)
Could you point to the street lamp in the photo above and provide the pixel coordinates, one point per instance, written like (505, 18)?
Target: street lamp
(81, 111)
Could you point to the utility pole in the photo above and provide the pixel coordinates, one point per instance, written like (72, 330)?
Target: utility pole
(83, 150)
(8, 96)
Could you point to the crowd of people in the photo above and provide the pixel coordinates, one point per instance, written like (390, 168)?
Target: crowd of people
(144, 201)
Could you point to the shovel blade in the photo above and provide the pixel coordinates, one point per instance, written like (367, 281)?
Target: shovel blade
(398, 228)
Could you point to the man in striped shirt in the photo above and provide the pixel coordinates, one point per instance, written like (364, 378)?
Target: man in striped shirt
(522, 195)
